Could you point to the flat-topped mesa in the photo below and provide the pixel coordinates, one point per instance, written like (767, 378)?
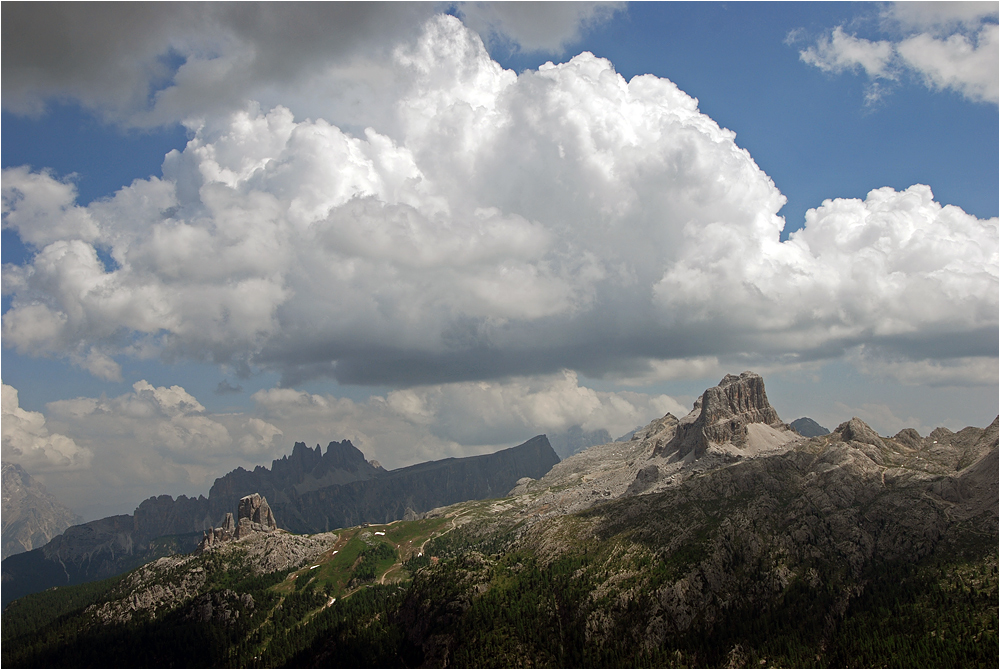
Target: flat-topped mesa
(721, 416)
(255, 516)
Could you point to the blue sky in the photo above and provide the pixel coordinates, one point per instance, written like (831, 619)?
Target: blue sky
(511, 249)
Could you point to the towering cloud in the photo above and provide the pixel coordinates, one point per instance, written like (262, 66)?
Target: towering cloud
(493, 224)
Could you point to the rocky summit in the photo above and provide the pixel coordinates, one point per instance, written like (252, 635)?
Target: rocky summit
(254, 515)
(734, 413)
(806, 427)
(730, 422)
(723, 539)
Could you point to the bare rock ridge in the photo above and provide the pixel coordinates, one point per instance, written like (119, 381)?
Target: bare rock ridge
(722, 416)
(31, 515)
(887, 497)
(730, 422)
(255, 516)
(857, 430)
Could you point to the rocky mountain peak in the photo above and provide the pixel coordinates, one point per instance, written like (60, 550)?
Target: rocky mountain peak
(254, 516)
(857, 430)
(721, 416)
(909, 437)
(806, 427)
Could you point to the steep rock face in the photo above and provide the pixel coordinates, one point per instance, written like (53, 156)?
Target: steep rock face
(721, 416)
(424, 487)
(165, 515)
(31, 515)
(83, 553)
(254, 516)
(304, 470)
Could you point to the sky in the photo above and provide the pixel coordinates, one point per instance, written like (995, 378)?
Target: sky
(441, 229)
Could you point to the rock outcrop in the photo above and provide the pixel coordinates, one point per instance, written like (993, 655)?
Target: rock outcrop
(722, 416)
(857, 430)
(254, 515)
(224, 533)
(171, 581)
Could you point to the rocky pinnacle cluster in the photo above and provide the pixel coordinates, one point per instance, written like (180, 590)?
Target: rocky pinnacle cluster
(254, 516)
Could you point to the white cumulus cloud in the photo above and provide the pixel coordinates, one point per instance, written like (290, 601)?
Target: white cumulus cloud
(947, 45)
(490, 226)
(840, 52)
(28, 442)
(968, 65)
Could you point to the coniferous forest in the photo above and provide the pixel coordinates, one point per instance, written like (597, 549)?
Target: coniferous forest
(488, 594)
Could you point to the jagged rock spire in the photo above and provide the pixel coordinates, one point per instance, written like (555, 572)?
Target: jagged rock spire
(255, 516)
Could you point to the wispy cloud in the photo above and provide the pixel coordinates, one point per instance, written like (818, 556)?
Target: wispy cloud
(947, 46)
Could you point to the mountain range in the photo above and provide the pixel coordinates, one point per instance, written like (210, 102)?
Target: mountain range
(309, 491)
(723, 538)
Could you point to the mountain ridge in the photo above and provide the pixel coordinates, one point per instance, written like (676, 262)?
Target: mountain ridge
(164, 525)
(773, 549)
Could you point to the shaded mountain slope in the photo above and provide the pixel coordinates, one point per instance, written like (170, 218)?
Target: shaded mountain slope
(808, 428)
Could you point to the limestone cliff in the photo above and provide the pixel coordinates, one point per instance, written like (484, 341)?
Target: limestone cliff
(722, 416)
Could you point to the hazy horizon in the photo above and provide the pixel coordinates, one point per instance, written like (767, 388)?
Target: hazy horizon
(440, 230)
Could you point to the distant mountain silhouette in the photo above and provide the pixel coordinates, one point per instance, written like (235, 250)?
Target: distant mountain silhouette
(31, 515)
(806, 427)
(575, 439)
